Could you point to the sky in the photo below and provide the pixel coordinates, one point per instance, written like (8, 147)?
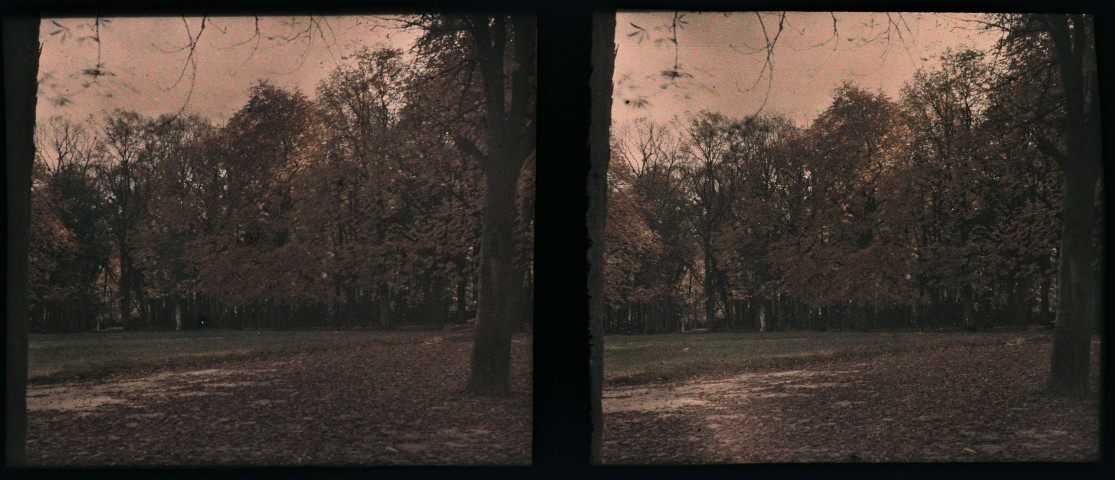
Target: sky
(144, 59)
(714, 48)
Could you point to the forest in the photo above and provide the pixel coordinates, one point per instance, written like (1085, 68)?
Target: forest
(358, 206)
(941, 208)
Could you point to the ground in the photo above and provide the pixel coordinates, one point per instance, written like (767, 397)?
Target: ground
(272, 398)
(870, 397)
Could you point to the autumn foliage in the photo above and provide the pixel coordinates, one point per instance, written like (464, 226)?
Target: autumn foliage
(926, 210)
(353, 207)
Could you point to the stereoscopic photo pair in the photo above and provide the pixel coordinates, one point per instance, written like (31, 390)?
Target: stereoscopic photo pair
(646, 237)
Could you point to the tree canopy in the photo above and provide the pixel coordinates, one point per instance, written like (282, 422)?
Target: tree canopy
(353, 207)
(926, 210)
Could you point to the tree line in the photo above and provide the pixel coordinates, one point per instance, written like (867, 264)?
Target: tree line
(941, 208)
(358, 207)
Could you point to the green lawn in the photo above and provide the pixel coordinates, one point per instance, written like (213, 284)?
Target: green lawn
(92, 355)
(642, 358)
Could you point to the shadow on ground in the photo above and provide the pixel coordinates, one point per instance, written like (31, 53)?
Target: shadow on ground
(361, 404)
(944, 404)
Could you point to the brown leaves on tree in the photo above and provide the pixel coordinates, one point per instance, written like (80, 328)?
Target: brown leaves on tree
(926, 210)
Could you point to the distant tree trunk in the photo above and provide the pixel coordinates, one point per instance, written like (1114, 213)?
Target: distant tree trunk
(708, 290)
(968, 308)
(779, 313)
(1023, 302)
(124, 285)
(21, 67)
(1044, 315)
(384, 306)
(367, 310)
(35, 318)
(435, 307)
(83, 304)
(461, 302)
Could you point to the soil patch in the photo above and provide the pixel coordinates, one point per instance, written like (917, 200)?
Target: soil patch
(360, 404)
(87, 396)
(964, 403)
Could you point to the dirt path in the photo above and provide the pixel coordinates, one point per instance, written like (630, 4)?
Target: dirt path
(365, 405)
(977, 403)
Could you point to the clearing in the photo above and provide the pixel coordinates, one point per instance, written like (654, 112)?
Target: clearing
(270, 398)
(832, 397)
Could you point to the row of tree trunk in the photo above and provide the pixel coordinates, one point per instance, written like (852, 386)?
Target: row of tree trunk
(1010, 302)
(438, 305)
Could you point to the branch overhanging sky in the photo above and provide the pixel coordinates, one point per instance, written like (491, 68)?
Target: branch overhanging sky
(713, 48)
(143, 59)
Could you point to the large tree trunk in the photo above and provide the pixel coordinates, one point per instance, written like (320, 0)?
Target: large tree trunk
(509, 137)
(1072, 336)
(491, 350)
(603, 64)
(1081, 161)
(21, 67)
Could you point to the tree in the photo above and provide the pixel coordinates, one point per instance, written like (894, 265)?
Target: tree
(509, 139)
(504, 53)
(631, 248)
(255, 253)
(983, 197)
(603, 61)
(21, 65)
(68, 153)
(756, 220)
(175, 214)
(712, 189)
(361, 106)
(650, 211)
(124, 175)
(52, 245)
(1058, 52)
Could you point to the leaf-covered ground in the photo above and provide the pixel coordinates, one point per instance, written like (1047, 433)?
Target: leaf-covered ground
(362, 403)
(975, 402)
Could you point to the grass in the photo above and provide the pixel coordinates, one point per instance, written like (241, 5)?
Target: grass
(60, 357)
(672, 357)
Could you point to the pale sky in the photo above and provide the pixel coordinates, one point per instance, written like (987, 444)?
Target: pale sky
(139, 52)
(806, 69)
(141, 55)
